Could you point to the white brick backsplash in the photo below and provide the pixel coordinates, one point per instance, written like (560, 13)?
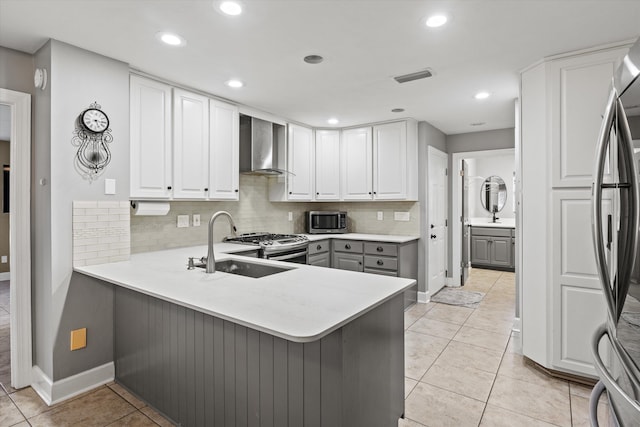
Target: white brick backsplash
(101, 232)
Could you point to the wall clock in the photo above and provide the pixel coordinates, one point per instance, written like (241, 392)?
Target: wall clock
(92, 136)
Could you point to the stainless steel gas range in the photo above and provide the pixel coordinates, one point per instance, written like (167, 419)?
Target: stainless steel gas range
(278, 247)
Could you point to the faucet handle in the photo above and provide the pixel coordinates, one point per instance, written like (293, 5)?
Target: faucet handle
(191, 265)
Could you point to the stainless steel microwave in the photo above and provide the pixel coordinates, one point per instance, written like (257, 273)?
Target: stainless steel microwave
(325, 222)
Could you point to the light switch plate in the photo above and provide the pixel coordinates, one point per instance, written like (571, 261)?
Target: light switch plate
(380, 215)
(196, 220)
(183, 221)
(4, 259)
(401, 216)
(290, 216)
(109, 186)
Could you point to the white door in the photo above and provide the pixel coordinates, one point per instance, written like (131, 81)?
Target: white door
(190, 145)
(150, 138)
(356, 164)
(390, 161)
(223, 151)
(327, 165)
(437, 219)
(300, 159)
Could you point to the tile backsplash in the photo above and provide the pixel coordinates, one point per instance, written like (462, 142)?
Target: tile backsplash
(101, 232)
(254, 212)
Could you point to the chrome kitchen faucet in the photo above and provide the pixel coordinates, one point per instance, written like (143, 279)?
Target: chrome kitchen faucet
(211, 261)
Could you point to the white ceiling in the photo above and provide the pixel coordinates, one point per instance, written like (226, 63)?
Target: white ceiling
(365, 43)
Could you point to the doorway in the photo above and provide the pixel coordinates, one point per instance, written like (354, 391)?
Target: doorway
(20, 236)
(437, 211)
(480, 165)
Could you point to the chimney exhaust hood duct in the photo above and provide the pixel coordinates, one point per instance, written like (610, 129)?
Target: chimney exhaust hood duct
(262, 147)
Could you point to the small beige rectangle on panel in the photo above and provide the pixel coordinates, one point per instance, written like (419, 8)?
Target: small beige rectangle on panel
(78, 339)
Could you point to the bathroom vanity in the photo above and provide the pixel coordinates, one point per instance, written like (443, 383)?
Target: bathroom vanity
(493, 246)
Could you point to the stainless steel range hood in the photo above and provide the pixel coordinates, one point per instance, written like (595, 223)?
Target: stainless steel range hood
(262, 147)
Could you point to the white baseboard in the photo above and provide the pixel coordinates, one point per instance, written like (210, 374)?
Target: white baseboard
(55, 392)
(5, 276)
(423, 297)
(516, 335)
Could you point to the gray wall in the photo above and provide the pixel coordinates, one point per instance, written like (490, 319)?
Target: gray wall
(428, 135)
(76, 79)
(467, 142)
(16, 70)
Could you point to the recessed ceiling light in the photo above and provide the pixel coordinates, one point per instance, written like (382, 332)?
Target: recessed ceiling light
(235, 83)
(230, 8)
(482, 95)
(333, 121)
(313, 59)
(435, 21)
(171, 39)
(397, 110)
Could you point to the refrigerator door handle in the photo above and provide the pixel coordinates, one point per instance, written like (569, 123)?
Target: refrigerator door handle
(616, 392)
(596, 202)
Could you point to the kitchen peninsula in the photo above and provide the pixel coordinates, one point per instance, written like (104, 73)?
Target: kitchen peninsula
(308, 346)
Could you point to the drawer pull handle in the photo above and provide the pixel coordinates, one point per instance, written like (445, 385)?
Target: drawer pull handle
(433, 236)
(169, 188)
(347, 246)
(380, 262)
(319, 247)
(379, 249)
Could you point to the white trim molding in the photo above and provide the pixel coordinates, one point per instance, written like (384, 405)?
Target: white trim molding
(423, 297)
(20, 236)
(53, 392)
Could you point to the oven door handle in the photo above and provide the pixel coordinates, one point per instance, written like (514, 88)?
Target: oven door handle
(287, 256)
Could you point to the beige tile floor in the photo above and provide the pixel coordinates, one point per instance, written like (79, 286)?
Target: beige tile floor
(461, 370)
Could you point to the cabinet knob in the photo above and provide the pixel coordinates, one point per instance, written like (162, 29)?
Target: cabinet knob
(169, 188)
(432, 226)
(347, 246)
(206, 189)
(379, 249)
(319, 247)
(380, 262)
(375, 192)
(290, 192)
(236, 190)
(359, 262)
(369, 192)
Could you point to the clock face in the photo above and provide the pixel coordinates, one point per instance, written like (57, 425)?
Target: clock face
(95, 120)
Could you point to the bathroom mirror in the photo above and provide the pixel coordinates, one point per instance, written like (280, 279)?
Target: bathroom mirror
(493, 194)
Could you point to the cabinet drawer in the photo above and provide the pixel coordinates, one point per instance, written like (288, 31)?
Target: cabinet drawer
(384, 263)
(488, 231)
(345, 261)
(373, 248)
(347, 246)
(318, 247)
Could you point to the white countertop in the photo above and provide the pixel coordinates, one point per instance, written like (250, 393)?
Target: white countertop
(302, 304)
(486, 222)
(365, 237)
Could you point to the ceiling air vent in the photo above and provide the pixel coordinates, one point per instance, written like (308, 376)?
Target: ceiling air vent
(414, 76)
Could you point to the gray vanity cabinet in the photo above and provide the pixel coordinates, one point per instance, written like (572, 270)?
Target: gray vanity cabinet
(492, 248)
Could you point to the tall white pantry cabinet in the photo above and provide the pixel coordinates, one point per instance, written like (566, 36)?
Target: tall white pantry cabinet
(562, 100)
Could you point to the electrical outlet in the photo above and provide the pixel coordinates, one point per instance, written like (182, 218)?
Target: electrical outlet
(4, 259)
(380, 215)
(401, 216)
(196, 220)
(290, 216)
(183, 221)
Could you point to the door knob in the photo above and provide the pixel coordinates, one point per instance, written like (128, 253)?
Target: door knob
(433, 236)
(432, 226)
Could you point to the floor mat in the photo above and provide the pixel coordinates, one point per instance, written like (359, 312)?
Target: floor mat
(457, 296)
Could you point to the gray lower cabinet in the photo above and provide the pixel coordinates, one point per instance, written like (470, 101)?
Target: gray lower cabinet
(389, 259)
(200, 370)
(493, 248)
(320, 253)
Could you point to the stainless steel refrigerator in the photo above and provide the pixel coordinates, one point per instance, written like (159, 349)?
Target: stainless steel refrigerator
(615, 220)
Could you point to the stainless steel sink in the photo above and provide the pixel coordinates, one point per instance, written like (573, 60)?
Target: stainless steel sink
(248, 269)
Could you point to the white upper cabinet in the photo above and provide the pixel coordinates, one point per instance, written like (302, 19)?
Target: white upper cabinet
(356, 162)
(579, 88)
(327, 156)
(150, 139)
(190, 145)
(390, 161)
(223, 151)
(300, 163)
